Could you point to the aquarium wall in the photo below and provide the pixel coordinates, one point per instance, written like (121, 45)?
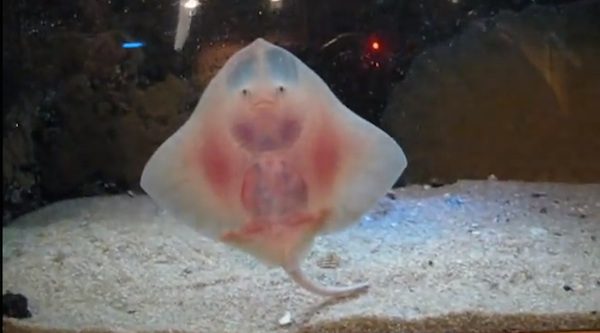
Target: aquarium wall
(469, 89)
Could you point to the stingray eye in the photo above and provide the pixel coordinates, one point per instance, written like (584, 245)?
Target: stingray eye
(245, 92)
(280, 89)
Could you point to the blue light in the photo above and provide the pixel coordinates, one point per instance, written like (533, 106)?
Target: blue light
(133, 45)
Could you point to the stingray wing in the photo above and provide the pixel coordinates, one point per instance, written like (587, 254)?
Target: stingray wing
(197, 172)
(349, 162)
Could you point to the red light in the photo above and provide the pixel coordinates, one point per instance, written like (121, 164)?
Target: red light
(375, 45)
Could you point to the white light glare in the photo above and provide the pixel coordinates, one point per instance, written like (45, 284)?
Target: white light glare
(191, 4)
(275, 4)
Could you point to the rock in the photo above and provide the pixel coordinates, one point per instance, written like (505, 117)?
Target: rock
(20, 169)
(109, 137)
(15, 306)
(81, 112)
(513, 95)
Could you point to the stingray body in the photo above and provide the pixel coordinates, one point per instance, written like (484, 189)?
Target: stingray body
(269, 159)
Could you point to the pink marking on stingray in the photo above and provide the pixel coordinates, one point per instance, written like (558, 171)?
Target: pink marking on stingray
(273, 187)
(216, 163)
(325, 156)
(273, 229)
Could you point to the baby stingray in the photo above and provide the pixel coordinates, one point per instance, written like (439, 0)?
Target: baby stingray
(269, 159)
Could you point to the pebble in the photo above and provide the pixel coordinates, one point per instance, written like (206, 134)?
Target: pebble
(286, 319)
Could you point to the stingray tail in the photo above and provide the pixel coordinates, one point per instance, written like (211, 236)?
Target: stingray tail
(301, 279)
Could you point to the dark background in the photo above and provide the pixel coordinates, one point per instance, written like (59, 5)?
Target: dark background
(81, 114)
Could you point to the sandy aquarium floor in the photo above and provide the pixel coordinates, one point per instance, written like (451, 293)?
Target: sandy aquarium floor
(475, 256)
